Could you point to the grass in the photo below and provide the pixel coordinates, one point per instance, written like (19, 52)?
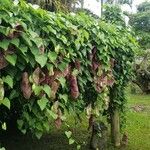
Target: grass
(138, 130)
(138, 123)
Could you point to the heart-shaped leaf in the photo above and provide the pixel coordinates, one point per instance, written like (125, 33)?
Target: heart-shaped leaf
(41, 59)
(52, 56)
(42, 103)
(11, 59)
(4, 44)
(6, 102)
(47, 90)
(15, 42)
(9, 80)
(68, 134)
(71, 141)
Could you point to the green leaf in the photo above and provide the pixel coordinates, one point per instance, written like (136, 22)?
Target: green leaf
(99, 135)
(42, 103)
(26, 39)
(4, 44)
(6, 102)
(51, 113)
(86, 34)
(78, 147)
(12, 59)
(71, 141)
(38, 134)
(15, 42)
(26, 116)
(62, 81)
(64, 39)
(38, 41)
(75, 72)
(47, 90)
(23, 131)
(4, 30)
(62, 66)
(34, 50)
(37, 89)
(77, 44)
(41, 59)
(23, 49)
(46, 126)
(21, 66)
(64, 97)
(13, 94)
(68, 134)
(38, 126)
(9, 80)
(4, 127)
(57, 48)
(33, 34)
(52, 56)
(32, 60)
(20, 123)
(50, 69)
(51, 29)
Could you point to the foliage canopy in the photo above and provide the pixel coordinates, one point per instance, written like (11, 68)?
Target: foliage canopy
(53, 62)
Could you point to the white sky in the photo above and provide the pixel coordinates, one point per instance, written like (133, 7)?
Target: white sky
(94, 6)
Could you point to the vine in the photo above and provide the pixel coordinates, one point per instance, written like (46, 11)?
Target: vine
(51, 63)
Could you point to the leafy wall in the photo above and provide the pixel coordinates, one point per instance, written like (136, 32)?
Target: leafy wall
(50, 63)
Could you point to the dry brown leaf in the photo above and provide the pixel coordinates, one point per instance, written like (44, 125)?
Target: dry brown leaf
(54, 88)
(91, 121)
(58, 123)
(74, 86)
(26, 86)
(3, 62)
(36, 75)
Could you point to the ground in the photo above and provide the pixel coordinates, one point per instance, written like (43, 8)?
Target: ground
(138, 122)
(137, 128)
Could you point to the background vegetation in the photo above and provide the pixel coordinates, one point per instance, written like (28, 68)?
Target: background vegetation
(48, 59)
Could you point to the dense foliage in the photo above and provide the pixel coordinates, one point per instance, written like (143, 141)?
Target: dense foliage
(113, 14)
(52, 63)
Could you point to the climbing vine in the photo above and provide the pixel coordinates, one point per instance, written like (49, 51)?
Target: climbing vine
(51, 63)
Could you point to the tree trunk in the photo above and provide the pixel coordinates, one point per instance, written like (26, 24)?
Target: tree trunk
(115, 128)
(82, 4)
(101, 8)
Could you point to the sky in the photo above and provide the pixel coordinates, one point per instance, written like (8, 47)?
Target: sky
(94, 6)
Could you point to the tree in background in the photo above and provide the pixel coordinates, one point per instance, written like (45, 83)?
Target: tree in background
(57, 5)
(141, 24)
(120, 1)
(117, 3)
(113, 14)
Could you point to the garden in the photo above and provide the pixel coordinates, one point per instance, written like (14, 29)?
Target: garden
(71, 80)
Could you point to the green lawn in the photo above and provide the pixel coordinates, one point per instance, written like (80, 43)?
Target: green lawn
(138, 129)
(138, 123)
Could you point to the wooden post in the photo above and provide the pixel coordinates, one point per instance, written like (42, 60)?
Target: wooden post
(115, 128)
